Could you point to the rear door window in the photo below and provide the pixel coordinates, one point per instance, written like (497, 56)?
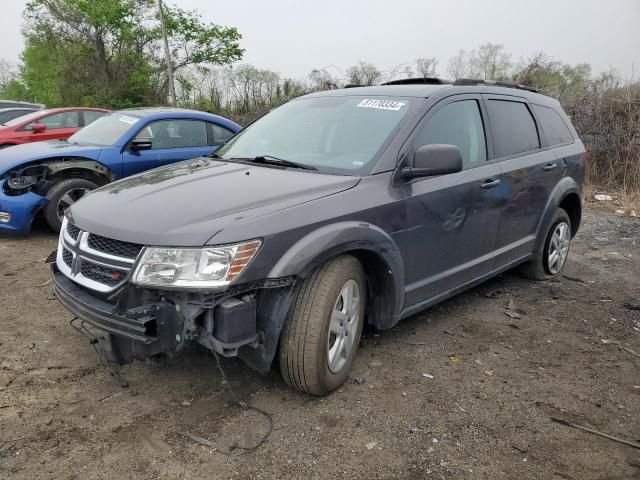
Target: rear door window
(514, 129)
(554, 127)
(460, 124)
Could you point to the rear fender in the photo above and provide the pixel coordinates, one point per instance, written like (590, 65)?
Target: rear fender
(565, 186)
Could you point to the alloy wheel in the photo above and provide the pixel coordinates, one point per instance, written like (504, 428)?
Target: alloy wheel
(343, 326)
(558, 247)
(69, 198)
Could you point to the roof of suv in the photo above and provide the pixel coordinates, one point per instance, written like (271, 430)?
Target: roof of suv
(423, 90)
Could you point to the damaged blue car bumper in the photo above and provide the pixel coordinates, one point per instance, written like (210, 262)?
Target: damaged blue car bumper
(17, 212)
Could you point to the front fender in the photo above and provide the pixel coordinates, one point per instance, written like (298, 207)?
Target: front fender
(346, 237)
(565, 186)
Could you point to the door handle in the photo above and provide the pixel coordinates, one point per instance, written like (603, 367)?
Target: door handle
(550, 166)
(489, 184)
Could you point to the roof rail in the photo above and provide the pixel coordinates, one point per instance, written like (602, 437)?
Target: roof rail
(494, 83)
(419, 81)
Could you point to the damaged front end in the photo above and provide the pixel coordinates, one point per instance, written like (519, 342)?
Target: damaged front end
(23, 189)
(91, 278)
(140, 323)
(22, 194)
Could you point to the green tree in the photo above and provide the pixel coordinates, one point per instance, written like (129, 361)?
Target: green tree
(107, 52)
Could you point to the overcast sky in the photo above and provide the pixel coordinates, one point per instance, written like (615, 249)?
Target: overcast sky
(294, 36)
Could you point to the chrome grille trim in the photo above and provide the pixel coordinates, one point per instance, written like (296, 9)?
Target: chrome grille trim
(82, 254)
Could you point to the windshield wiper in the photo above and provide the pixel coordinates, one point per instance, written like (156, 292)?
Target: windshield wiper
(269, 160)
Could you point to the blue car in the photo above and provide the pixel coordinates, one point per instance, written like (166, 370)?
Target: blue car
(51, 176)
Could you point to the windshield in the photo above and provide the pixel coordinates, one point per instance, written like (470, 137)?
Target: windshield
(333, 134)
(105, 131)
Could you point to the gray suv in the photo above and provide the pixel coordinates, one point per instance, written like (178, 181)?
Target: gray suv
(340, 208)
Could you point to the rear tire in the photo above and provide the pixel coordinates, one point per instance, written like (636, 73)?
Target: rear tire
(320, 337)
(61, 196)
(551, 259)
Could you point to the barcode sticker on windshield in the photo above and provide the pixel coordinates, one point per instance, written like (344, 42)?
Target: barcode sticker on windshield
(381, 104)
(128, 119)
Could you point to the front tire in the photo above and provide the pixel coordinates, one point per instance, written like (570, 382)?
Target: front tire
(61, 196)
(551, 259)
(322, 330)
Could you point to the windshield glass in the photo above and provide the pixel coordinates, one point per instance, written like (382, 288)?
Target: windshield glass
(333, 134)
(105, 131)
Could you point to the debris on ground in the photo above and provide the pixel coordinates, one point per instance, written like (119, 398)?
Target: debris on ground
(610, 342)
(371, 445)
(631, 351)
(415, 429)
(632, 306)
(426, 375)
(454, 359)
(603, 198)
(596, 432)
(497, 293)
(197, 439)
(360, 380)
(511, 314)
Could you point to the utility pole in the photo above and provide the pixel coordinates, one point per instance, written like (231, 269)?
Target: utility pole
(167, 54)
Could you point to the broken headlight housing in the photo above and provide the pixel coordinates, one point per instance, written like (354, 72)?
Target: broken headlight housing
(197, 268)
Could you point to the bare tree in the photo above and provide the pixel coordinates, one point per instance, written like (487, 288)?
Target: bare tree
(460, 65)
(426, 67)
(321, 79)
(364, 74)
(8, 73)
(491, 62)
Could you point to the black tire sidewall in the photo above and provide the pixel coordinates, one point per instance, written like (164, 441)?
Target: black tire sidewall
(329, 380)
(559, 217)
(56, 192)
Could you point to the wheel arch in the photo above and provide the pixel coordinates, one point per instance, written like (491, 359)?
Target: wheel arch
(78, 167)
(566, 195)
(375, 249)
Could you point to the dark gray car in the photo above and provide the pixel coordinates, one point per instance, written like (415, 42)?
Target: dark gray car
(340, 208)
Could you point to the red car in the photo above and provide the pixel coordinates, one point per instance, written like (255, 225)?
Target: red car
(52, 124)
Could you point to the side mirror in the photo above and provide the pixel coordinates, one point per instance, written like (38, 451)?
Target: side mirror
(435, 159)
(35, 128)
(141, 144)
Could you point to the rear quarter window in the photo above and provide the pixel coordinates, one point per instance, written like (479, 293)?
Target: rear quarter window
(554, 127)
(514, 129)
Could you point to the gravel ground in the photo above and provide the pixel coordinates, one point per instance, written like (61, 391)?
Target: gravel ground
(460, 391)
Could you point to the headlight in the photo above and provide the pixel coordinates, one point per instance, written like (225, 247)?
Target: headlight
(207, 267)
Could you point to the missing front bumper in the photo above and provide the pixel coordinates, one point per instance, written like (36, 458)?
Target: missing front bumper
(138, 329)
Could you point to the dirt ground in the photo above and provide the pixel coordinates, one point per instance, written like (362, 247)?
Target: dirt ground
(486, 413)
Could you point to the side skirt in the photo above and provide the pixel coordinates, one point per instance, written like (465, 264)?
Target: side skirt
(407, 312)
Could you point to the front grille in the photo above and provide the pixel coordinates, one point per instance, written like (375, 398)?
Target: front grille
(67, 257)
(117, 248)
(73, 231)
(104, 275)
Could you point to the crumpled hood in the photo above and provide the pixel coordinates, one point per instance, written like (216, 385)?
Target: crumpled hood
(17, 155)
(187, 203)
